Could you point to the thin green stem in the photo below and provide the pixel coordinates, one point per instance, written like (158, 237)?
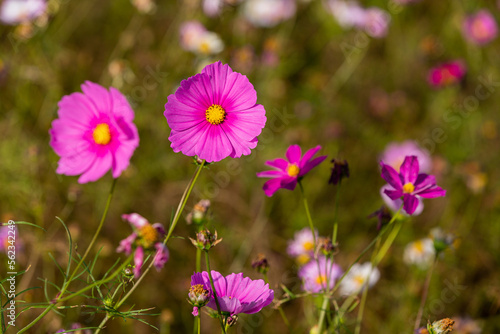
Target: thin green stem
(198, 260)
(199, 323)
(424, 294)
(68, 281)
(322, 315)
(282, 313)
(214, 292)
(308, 213)
(335, 216)
(177, 215)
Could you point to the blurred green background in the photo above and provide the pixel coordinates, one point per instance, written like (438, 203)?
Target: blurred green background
(350, 93)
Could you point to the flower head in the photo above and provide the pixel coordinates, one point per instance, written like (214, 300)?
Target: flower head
(302, 245)
(205, 239)
(409, 185)
(480, 28)
(21, 11)
(145, 237)
(261, 264)
(395, 153)
(235, 293)
(214, 115)
(268, 13)
(359, 276)
(288, 173)
(340, 171)
(198, 296)
(447, 74)
(420, 253)
(316, 275)
(94, 133)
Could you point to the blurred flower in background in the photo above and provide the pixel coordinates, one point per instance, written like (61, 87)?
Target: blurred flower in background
(464, 325)
(195, 38)
(349, 14)
(243, 59)
(14, 12)
(447, 74)
(316, 274)
(215, 114)
(480, 28)
(420, 253)
(94, 133)
(359, 276)
(301, 247)
(395, 153)
(268, 13)
(76, 328)
(145, 237)
(4, 237)
(144, 6)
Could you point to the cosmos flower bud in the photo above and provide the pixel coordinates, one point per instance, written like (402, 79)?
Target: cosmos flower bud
(198, 296)
(326, 247)
(205, 240)
(383, 216)
(442, 326)
(199, 212)
(340, 171)
(442, 240)
(261, 264)
(231, 321)
(128, 274)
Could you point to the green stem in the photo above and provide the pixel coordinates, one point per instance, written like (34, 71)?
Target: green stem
(199, 323)
(308, 213)
(335, 217)
(324, 309)
(214, 292)
(177, 215)
(68, 281)
(424, 294)
(282, 313)
(198, 260)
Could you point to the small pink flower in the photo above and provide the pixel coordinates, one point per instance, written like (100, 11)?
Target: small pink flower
(94, 133)
(447, 74)
(21, 11)
(480, 28)
(301, 246)
(288, 173)
(146, 237)
(409, 185)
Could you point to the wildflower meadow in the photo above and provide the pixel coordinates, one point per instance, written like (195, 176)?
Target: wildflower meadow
(250, 166)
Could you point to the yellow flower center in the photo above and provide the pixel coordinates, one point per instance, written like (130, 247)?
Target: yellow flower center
(215, 114)
(360, 280)
(303, 259)
(101, 134)
(204, 48)
(408, 188)
(321, 279)
(308, 246)
(197, 289)
(419, 246)
(149, 235)
(293, 170)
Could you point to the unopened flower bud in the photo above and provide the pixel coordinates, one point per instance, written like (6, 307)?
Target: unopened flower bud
(261, 264)
(128, 273)
(326, 247)
(340, 171)
(231, 321)
(205, 240)
(442, 240)
(198, 296)
(383, 216)
(442, 326)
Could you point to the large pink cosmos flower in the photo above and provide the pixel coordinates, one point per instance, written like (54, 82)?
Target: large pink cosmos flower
(409, 185)
(94, 133)
(288, 173)
(235, 294)
(214, 115)
(146, 237)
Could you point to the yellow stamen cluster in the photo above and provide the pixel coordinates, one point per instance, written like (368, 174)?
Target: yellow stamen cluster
(308, 246)
(408, 188)
(321, 280)
(215, 114)
(101, 134)
(149, 235)
(359, 279)
(293, 170)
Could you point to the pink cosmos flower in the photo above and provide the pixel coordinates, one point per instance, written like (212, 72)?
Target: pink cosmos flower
(376, 22)
(146, 237)
(20, 11)
(447, 74)
(288, 173)
(302, 245)
(480, 28)
(315, 275)
(214, 115)
(268, 13)
(94, 133)
(235, 294)
(409, 185)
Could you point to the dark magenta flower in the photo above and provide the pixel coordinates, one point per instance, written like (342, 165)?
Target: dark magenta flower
(288, 173)
(215, 114)
(146, 237)
(409, 185)
(447, 74)
(94, 133)
(235, 293)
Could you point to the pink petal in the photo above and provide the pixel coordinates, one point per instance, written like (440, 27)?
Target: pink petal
(100, 167)
(99, 96)
(271, 186)
(410, 203)
(271, 173)
(311, 164)
(409, 169)
(432, 192)
(308, 155)
(293, 154)
(279, 163)
(391, 176)
(239, 93)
